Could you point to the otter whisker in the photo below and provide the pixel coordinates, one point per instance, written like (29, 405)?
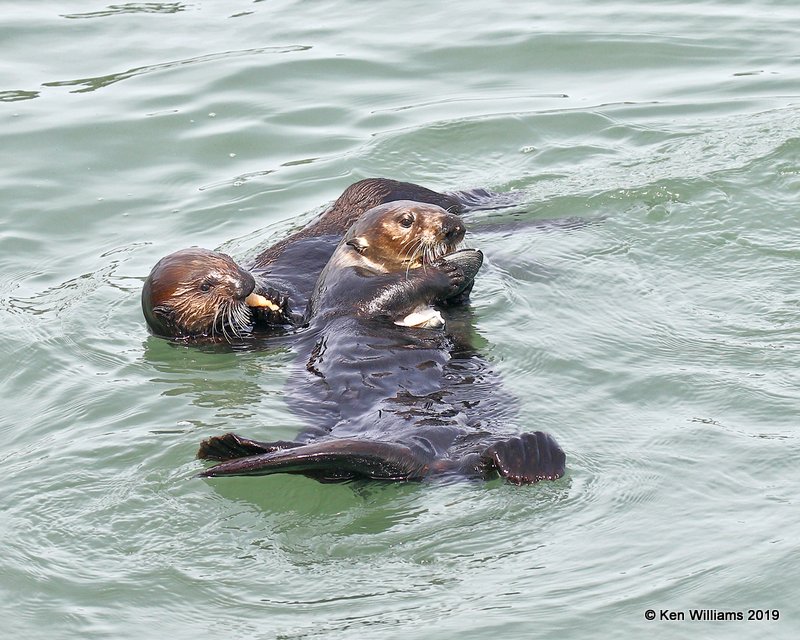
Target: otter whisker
(411, 249)
(214, 322)
(231, 318)
(431, 253)
(410, 246)
(223, 325)
(237, 319)
(416, 251)
(241, 316)
(227, 326)
(230, 322)
(225, 321)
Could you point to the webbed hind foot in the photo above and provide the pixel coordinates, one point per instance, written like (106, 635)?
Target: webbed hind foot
(525, 459)
(329, 460)
(230, 446)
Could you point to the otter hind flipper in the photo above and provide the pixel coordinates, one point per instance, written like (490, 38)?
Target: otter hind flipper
(334, 460)
(230, 446)
(525, 459)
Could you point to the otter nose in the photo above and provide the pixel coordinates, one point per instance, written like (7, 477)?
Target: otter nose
(453, 229)
(245, 285)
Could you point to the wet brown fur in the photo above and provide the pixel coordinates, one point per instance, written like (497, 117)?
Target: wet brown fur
(403, 235)
(175, 306)
(197, 292)
(356, 200)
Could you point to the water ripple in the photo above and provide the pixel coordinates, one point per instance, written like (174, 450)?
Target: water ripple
(100, 82)
(130, 7)
(659, 344)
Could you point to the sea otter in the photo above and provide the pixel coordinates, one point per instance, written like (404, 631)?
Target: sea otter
(384, 400)
(196, 294)
(184, 301)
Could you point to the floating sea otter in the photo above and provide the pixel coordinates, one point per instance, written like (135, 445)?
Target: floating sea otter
(200, 294)
(386, 401)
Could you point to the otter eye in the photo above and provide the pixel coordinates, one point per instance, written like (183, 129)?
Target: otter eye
(206, 286)
(406, 221)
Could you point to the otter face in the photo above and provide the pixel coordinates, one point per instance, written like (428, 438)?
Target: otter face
(197, 293)
(404, 235)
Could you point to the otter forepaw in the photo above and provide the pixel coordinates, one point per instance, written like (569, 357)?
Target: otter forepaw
(274, 310)
(454, 274)
(467, 262)
(526, 458)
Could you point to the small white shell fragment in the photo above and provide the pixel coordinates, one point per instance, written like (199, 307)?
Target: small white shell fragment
(428, 318)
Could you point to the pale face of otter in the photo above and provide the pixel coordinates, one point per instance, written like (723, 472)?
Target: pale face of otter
(197, 293)
(402, 235)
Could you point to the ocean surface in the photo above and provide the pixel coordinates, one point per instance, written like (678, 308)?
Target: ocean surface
(659, 342)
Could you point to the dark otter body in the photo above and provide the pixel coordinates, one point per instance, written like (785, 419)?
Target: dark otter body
(385, 401)
(186, 303)
(394, 403)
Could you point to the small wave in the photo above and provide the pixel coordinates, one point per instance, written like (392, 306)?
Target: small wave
(99, 82)
(129, 7)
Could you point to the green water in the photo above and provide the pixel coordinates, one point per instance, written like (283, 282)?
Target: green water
(660, 345)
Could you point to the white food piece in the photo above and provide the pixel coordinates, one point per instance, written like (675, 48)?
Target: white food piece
(255, 300)
(428, 318)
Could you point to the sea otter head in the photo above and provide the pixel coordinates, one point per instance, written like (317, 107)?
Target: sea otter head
(197, 293)
(403, 235)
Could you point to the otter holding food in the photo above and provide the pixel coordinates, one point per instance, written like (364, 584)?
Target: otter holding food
(383, 400)
(196, 294)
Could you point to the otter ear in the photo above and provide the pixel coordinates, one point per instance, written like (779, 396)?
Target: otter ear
(163, 311)
(161, 321)
(360, 244)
